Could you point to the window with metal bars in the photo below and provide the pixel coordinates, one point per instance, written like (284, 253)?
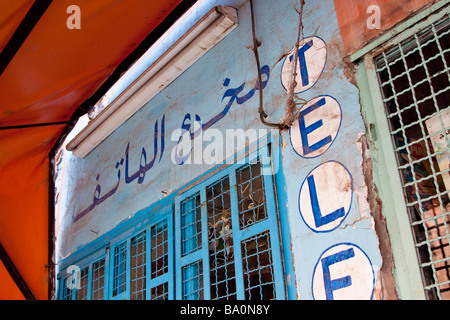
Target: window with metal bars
(98, 280)
(120, 269)
(67, 291)
(414, 77)
(142, 264)
(137, 268)
(81, 293)
(88, 284)
(223, 244)
(227, 235)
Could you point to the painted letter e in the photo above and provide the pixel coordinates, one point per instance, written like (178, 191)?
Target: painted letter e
(305, 130)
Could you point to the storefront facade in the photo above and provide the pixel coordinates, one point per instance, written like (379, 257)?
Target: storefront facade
(194, 197)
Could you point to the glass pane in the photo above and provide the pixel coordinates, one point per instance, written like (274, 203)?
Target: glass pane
(191, 227)
(159, 251)
(251, 195)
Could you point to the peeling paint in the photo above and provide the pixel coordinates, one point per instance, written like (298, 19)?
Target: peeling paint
(387, 290)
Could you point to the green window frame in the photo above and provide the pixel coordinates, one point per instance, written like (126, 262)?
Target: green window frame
(397, 75)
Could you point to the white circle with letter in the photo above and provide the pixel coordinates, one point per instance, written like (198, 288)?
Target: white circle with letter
(311, 59)
(343, 272)
(316, 127)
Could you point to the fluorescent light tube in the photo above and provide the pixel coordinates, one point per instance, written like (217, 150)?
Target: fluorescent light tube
(203, 36)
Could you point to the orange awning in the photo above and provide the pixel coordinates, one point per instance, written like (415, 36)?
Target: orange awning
(49, 75)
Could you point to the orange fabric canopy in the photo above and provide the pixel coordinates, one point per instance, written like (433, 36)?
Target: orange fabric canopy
(49, 74)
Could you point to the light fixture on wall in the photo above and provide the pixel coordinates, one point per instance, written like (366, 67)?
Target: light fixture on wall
(203, 36)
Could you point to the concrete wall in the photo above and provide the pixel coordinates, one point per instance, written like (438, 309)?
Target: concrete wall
(330, 221)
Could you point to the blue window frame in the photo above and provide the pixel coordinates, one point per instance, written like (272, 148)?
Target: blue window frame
(139, 266)
(226, 233)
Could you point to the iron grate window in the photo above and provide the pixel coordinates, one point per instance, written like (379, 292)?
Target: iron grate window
(139, 265)
(236, 236)
(67, 291)
(142, 264)
(160, 292)
(98, 280)
(82, 292)
(120, 269)
(191, 224)
(220, 239)
(159, 249)
(87, 284)
(258, 270)
(193, 281)
(414, 77)
(223, 244)
(251, 196)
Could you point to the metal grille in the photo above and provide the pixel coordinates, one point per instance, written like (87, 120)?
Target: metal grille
(414, 77)
(98, 280)
(258, 272)
(67, 292)
(138, 266)
(120, 269)
(192, 281)
(160, 292)
(191, 228)
(221, 251)
(238, 217)
(82, 291)
(251, 197)
(159, 249)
